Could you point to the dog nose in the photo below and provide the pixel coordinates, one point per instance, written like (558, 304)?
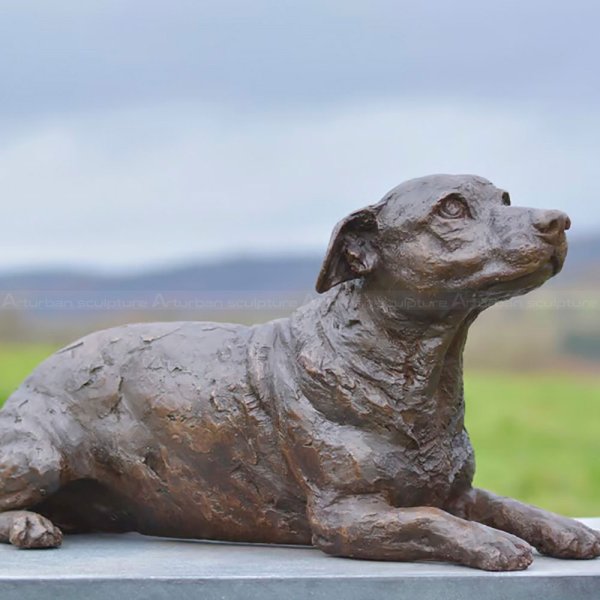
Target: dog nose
(551, 223)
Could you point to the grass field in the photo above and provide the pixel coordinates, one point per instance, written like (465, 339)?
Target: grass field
(536, 437)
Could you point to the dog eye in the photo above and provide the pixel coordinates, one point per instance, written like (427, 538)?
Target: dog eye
(453, 207)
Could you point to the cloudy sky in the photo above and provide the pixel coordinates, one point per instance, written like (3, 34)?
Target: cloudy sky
(139, 133)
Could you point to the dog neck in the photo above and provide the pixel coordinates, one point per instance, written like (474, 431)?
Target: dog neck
(404, 315)
(387, 363)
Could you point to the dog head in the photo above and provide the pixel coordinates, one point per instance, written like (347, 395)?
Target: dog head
(447, 233)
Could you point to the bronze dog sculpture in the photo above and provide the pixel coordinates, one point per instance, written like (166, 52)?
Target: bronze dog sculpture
(341, 426)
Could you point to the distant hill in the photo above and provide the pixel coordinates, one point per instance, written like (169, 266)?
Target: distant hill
(249, 275)
(583, 262)
(231, 275)
(584, 250)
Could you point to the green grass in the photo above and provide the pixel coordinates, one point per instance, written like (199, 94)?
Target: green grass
(536, 436)
(16, 362)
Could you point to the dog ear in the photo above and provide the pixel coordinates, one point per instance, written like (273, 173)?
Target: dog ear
(352, 250)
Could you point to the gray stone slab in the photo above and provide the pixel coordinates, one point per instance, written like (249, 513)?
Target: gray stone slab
(135, 567)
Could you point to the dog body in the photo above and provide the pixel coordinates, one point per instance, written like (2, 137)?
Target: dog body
(160, 430)
(342, 426)
(201, 430)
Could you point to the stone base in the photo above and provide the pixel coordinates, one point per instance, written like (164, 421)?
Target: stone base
(131, 566)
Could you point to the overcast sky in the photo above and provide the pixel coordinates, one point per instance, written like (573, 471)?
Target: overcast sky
(138, 133)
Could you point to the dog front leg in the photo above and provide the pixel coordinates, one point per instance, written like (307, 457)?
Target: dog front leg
(551, 534)
(369, 527)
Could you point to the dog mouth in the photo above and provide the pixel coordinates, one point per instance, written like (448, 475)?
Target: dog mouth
(557, 263)
(523, 282)
(557, 259)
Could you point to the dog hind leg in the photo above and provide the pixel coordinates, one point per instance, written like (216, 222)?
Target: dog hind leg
(29, 471)
(26, 529)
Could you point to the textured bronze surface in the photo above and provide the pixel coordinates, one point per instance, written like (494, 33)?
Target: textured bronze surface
(341, 426)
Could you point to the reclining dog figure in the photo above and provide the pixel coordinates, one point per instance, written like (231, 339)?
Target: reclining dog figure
(341, 426)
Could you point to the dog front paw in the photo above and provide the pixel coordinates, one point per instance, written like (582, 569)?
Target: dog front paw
(30, 530)
(495, 550)
(567, 538)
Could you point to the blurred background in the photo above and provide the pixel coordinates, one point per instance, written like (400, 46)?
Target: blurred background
(188, 160)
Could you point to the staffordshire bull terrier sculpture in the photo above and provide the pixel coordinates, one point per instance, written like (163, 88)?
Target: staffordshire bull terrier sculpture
(341, 426)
